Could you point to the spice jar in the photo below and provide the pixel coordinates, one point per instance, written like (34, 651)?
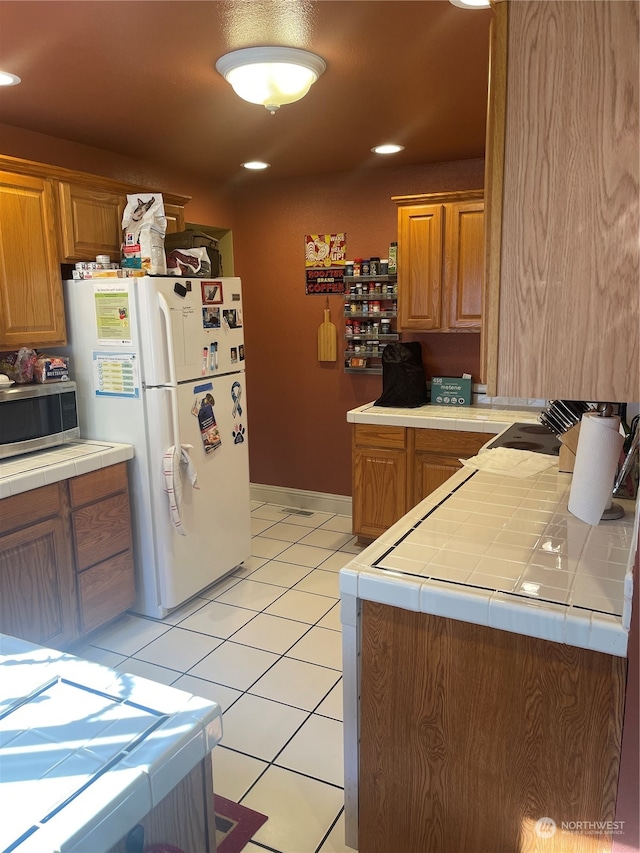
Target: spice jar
(374, 266)
(357, 266)
(348, 268)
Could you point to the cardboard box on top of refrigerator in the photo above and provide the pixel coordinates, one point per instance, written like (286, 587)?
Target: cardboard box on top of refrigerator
(450, 391)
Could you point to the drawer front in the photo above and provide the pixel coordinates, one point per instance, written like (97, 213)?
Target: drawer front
(98, 484)
(27, 508)
(101, 530)
(450, 442)
(105, 591)
(370, 435)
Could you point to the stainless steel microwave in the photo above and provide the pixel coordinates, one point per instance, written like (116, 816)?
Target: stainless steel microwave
(33, 417)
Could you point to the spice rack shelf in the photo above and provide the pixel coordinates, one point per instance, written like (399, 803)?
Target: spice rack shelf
(370, 311)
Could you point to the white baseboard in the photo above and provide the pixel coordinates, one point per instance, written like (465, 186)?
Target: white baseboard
(301, 499)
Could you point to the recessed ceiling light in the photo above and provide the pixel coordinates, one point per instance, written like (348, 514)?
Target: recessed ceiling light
(7, 79)
(256, 165)
(471, 4)
(389, 148)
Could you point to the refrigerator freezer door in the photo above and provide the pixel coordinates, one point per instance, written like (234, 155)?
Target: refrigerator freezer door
(215, 515)
(189, 328)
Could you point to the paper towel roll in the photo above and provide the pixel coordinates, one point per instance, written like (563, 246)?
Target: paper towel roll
(597, 457)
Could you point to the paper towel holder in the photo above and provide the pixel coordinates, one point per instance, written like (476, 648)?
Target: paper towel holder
(613, 511)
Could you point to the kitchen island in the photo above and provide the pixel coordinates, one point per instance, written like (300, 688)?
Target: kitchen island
(88, 753)
(484, 644)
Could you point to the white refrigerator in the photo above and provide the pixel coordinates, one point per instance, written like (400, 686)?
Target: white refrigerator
(159, 363)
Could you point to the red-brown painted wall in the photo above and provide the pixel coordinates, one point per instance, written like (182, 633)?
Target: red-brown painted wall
(297, 405)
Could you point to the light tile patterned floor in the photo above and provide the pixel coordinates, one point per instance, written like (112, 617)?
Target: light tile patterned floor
(265, 644)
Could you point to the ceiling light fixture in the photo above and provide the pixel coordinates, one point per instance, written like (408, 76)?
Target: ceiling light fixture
(256, 165)
(7, 79)
(388, 148)
(471, 4)
(271, 76)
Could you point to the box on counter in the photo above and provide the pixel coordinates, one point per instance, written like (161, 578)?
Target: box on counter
(450, 391)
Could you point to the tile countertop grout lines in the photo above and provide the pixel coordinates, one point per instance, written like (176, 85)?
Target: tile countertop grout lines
(505, 552)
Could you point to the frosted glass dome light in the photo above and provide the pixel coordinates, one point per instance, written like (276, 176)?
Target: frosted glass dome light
(271, 76)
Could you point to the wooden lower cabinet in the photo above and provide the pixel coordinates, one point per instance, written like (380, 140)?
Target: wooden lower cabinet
(379, 478)
(394, 468)
(37, 578)
(66, 564)
(470, 735)
(437, 455)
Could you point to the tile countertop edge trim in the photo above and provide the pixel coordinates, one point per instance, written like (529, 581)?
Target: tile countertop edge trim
(489, 420)
(60, 463)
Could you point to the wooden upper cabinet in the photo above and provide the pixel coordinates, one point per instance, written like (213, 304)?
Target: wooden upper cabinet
(31, 301)
(90, 222)
(464, 264)
(440, 262)
(420, 266)
(563, 179)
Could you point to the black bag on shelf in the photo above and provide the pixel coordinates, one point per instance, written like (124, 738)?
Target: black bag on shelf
(404, 384)
(192, 239)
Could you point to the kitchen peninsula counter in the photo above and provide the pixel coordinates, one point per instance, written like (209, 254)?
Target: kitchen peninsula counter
(86, 753)
(20, 474)
(477, 418)
(484, 646)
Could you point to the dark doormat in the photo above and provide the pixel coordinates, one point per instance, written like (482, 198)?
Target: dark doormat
(235, 824)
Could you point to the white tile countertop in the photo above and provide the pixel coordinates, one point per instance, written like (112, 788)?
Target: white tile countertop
(33, 470)
(477, 418)
(85, 751)
(505, 552)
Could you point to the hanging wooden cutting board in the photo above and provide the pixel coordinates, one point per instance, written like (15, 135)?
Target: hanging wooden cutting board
(327, 348)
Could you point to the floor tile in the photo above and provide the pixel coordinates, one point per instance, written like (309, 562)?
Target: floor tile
(224, 696)
(326, 539)
(178, 649)
(300, 810)
(271, 633)
(234, 773)
(321, 646)
(352, 547)
(280, 574)
(316, 750)
(336, 562)
(260, 524)
(148, 670)
(313, 520)
(304, 555)
(260, 727)
(269, 511)
(102, 656)
(251, 595)
(332, 705)
(128, 634)
(322, 583)
(296, 683)
(218, 620)
(332, 619)
(249, 566)
(255, 504)
(335, 841)
(286, 532)
(176, 616)
(301, 606)
(269, 548)
(216, 590)
(234, 665)
(339, 523)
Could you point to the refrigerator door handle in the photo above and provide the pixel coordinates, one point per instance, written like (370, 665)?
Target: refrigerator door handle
(173, 388)
(168, 337)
